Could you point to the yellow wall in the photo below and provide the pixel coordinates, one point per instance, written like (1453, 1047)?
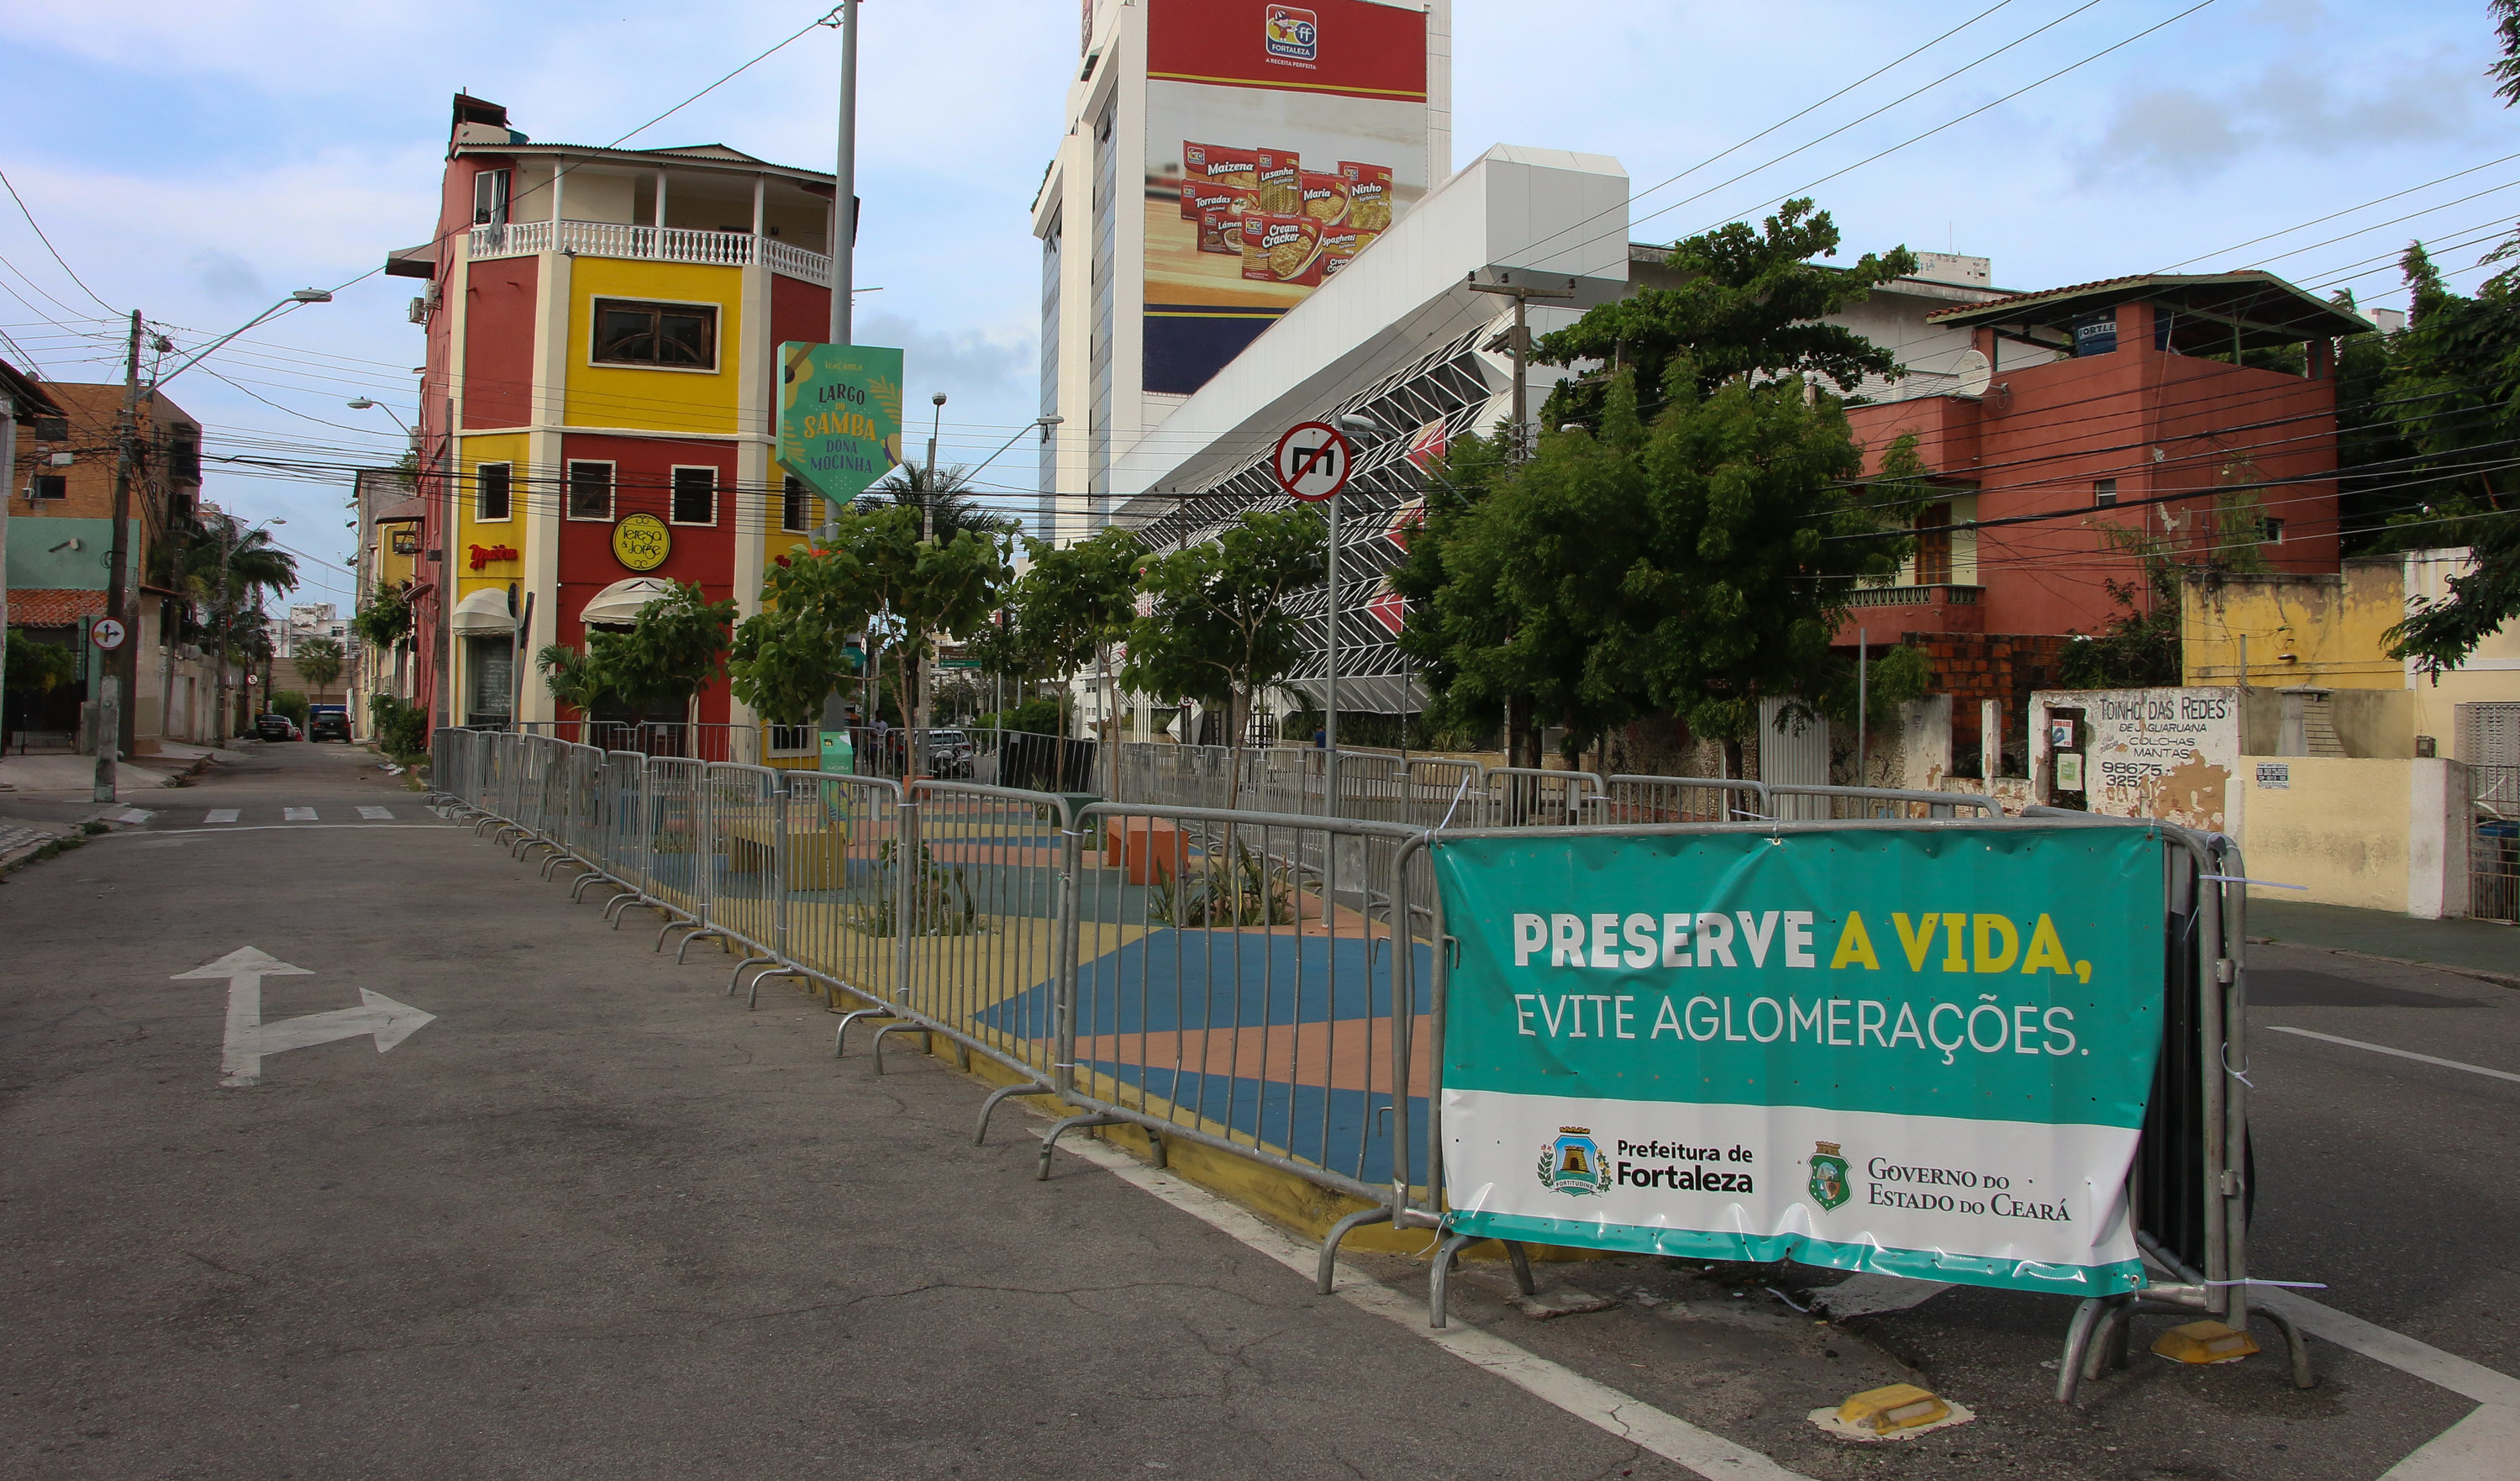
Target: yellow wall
(650, 399)
(2301, 629)
(2342, 828)
(522, 489)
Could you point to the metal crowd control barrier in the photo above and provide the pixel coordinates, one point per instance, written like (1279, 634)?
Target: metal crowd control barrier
(1270, 985)
(1681, 800)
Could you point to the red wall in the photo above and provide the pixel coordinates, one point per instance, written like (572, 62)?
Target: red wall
(499, 312)
(2159, 424)
(643, 482)
(798, 311)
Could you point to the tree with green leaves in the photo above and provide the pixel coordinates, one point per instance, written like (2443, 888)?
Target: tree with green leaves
(872, 574)
(1075, 601)
(384, 619)
(1753, 308)
(1692, 545)
(1218, 629)
(319, 662)
(951, 500)
(670, 651)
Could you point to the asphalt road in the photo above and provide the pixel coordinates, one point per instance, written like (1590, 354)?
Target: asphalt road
(594, 1219)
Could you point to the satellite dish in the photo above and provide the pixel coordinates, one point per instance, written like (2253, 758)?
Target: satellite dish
(1973, 374)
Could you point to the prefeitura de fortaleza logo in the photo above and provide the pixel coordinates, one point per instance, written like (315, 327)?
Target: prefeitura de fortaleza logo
(1829, 1183)
(1571, 1164)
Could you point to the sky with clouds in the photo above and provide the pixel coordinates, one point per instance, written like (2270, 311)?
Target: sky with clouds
(198, 160)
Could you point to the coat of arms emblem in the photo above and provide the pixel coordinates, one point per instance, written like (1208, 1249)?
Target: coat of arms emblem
(1829, 1183)
(1572, 1163)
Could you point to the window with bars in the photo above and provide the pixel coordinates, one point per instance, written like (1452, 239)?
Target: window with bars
(491, 485)
(51, 485)
(590, 490)
(694, 496)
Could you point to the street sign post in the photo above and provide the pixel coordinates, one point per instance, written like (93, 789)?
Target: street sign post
(1312, 463)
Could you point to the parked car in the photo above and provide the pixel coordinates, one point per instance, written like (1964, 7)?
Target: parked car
(328, 723)
(273, 726)
(948, 753)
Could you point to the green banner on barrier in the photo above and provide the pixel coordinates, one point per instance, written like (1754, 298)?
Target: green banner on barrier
(1918, 1052)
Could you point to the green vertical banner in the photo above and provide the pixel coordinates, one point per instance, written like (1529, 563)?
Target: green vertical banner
(1918, 1052)
(839, 415)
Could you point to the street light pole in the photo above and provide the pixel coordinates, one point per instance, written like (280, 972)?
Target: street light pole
(919, 708)
(844, 185)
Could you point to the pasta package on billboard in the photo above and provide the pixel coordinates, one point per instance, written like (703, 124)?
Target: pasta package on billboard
(1339, 244)
(1368, 192)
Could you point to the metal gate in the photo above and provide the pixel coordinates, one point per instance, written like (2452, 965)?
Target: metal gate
(2493, 842)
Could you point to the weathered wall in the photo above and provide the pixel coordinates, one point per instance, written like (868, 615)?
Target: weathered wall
(2168, 754)
(2378, 833)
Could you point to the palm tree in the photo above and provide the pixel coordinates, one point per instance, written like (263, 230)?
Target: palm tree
(319, 662)
(227, 568)
(953, 502)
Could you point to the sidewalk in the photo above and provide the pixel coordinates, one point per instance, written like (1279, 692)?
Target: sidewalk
(52, 775)
(2481, 948)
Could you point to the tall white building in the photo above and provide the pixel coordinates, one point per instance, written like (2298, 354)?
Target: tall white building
(1319, 125)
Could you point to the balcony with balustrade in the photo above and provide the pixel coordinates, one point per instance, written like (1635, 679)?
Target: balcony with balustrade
(649, 244)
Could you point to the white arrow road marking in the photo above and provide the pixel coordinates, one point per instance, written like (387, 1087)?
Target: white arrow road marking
(297, 814)
(385, 814)
(248, 1039)
(221, 816)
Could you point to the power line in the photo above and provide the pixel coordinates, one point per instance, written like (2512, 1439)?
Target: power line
(50, 247)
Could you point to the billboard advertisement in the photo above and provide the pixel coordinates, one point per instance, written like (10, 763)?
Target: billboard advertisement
(1280, 141)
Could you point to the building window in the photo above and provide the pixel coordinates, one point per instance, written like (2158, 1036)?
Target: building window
(1934, 545)
(795, 504)
(673, 336)
(491, 482)
(490, 197)
(405, 541)
(51, 485)
(2105, 492)
(2273, 532)
(694, 496)
(590, 490)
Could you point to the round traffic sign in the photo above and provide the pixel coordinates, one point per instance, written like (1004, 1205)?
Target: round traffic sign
(107, 634)
(1313, 460)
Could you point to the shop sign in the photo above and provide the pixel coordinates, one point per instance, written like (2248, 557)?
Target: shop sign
(641, 541)
(839, 415)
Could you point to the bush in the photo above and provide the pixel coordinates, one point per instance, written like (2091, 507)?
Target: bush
(402, 727)
(291, 703)
(1037, 716)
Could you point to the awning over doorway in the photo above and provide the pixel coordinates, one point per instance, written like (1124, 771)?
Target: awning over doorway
(483, 612)
(617, 605)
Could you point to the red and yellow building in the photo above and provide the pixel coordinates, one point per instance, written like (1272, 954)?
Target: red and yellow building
(598, 413)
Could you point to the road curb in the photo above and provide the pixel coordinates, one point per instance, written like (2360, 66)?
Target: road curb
(2497, 979)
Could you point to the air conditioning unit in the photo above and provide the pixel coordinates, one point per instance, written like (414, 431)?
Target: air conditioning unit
(420, 310)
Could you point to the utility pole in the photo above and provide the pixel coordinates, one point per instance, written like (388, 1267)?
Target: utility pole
(845, 178)
(919, 715)
(1521, 343)
(108, 716)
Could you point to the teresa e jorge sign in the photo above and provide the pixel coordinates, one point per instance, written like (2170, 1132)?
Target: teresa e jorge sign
(839, 415)
(1923, 1053)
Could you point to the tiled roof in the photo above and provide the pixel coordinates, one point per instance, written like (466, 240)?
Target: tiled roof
(53, 607)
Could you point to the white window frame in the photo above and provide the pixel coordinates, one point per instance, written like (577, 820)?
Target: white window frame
(612, 489)
(672, 475)
(478, 518)
(717, 333)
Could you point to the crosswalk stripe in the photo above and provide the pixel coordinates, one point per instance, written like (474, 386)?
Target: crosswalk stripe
(385, 814)
(221, 816)
(297, 814)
